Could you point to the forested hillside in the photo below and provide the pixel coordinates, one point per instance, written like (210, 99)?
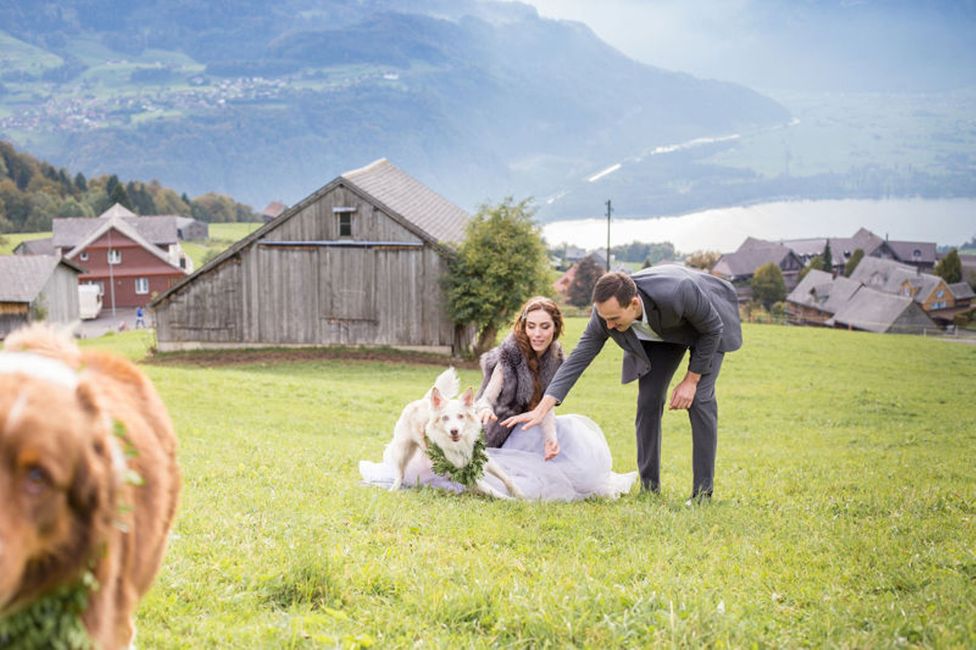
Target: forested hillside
(32, 192)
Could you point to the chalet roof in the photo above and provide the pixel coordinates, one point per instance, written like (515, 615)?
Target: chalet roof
(25, 275)
(273, 209)
(158, 229)
(745, 261)
(439, 218)
(913, 251)
(881, 274)
(872, 310)
(822, 291)
(43, 246)
(813, 290)
(962, 290)
(121, 224)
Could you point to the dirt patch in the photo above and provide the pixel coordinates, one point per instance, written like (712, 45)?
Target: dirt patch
(219, 358)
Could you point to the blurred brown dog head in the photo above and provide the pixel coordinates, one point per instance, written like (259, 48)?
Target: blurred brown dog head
(57, 482)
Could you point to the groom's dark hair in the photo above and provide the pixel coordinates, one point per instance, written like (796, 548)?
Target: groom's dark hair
(614, 285)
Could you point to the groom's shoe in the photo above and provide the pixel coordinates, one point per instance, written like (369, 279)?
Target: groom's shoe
(650, 488)
(699, 499)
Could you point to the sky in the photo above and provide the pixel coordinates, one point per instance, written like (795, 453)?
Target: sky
(817, 45)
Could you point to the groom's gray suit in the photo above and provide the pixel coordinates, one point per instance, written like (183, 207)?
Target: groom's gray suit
(688, 309)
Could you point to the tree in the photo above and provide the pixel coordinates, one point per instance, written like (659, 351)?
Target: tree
(827, 258)
(814, 264)
(949, 268)
(501, 263)
(81, 182)
(118, 195)
(852, 263)
(588, 271)
(704, 260)
(768, 286)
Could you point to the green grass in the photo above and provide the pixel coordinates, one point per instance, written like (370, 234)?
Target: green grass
(17, 55)
(222, 236)
(844, 515)
(10, 241)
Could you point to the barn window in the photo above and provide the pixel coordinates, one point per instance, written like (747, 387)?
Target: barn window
(142, 285)
(345, 224)
(114, 256)
(345, 219)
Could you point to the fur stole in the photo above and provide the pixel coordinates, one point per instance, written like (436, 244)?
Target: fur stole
(517, 386)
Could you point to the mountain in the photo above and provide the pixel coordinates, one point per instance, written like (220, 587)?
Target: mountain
(270, 100)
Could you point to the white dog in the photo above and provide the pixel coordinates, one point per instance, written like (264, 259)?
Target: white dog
(452, 425)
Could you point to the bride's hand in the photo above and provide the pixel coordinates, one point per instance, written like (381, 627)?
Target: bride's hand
(486, 416)
(551, 448)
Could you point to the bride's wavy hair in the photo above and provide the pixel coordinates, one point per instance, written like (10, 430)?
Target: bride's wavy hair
(522, 339)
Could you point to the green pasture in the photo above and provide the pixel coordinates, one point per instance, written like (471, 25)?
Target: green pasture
(845, 511)
(9, 241)
(222, 236)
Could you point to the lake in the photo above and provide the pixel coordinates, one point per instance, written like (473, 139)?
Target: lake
(944, 221)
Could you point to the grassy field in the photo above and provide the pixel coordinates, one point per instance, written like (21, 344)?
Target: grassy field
(845, 512)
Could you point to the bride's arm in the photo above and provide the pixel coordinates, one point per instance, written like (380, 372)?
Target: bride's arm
(485, 406)
(549, 435)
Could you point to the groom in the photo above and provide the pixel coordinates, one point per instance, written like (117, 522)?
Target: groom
(655, 316)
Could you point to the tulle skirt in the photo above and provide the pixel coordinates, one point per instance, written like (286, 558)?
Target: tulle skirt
(582, 469)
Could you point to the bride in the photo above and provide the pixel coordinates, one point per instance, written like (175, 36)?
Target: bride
(567, 460)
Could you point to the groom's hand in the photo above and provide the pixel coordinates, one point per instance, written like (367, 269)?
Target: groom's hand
(531, 418)
(684, 392)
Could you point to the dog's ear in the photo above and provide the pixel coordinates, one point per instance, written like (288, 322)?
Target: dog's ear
(89, 488)
(436, 399)
(468, 397)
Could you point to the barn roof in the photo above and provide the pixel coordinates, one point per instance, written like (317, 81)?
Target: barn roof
(43, 246)
(411, 199)
(872, 310)
(25, 275)
(747, 259)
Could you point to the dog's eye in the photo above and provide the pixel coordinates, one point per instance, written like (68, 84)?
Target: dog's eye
(37, 479)
(446, 418)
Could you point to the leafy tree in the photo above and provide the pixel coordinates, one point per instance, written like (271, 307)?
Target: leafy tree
(949, 268)
(118, 195)
(643, 252)
(814, 264)
(501, 263)
(827, 258)
(768, 286)
(704, 260)
(588, 271)
(70, 207)
(852, 263)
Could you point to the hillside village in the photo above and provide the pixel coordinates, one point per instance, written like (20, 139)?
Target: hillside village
(318, 272)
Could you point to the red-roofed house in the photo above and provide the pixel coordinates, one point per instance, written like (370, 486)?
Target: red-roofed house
(129, 269)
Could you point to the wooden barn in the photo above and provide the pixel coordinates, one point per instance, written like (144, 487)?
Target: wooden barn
(37, 287)
(358, 262)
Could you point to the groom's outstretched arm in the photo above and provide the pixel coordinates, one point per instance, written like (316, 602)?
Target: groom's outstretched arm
(590, 344)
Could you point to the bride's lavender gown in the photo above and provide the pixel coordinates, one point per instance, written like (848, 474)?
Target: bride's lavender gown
(582, 469)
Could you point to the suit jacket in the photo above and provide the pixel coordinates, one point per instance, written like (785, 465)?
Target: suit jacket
(683, 306)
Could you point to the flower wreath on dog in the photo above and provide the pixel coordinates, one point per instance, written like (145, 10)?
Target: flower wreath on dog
(469, 474)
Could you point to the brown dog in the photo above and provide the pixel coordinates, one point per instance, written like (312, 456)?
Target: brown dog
(88, 479)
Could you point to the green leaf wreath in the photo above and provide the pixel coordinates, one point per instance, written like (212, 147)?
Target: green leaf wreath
(52, 622)
(467, 475)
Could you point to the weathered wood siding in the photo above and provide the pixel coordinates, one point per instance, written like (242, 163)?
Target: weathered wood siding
(209, 311)
(59, 297)
(318, 294)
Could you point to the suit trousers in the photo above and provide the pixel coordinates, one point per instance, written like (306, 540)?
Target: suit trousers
(652, 397)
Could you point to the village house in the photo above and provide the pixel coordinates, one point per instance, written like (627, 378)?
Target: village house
(818, 297)
(37, 287)
(740, 266)
(129, 258)
(358, 262)
(921, 255)
(870, 310)
(931, 292)
(272, 211)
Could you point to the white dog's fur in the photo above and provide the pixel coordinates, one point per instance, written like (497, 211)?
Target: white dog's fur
(450, 423)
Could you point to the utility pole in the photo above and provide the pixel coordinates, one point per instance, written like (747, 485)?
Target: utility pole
(609, 210)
